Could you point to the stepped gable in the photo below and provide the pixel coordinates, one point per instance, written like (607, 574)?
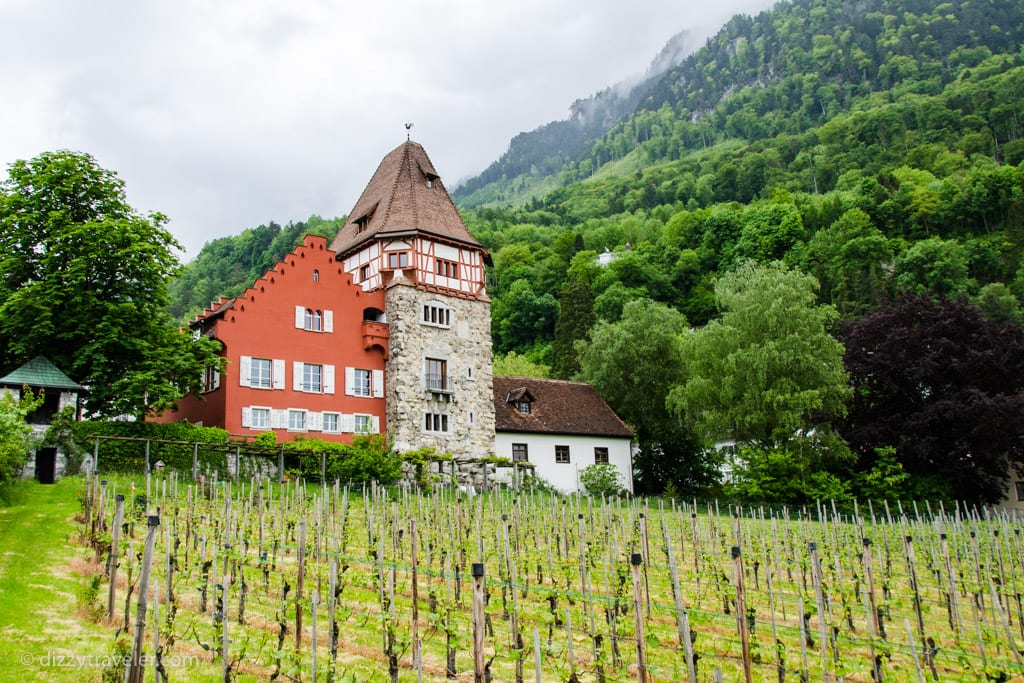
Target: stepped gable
(405, 195)
(310, 245)
(556, 407)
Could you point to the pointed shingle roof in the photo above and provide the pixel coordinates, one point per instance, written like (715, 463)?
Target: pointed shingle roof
(404, 196)
(40, 372)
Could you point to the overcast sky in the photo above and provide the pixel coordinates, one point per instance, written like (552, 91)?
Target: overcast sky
(225, 114)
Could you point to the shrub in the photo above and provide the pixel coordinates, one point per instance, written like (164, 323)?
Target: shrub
(130, 456)
(369, 458)
(15, 433)
(601, 480)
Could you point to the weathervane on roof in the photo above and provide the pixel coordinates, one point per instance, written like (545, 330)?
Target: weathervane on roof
(408, 127)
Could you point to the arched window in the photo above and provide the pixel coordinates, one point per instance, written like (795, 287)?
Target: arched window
(314, 320)
(316, 276)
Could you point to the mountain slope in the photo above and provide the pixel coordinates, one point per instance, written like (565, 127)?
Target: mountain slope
(782, 72)
(544, 150)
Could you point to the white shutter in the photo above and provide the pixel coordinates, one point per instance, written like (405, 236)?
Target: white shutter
(350, 381)
(278, 419)
(314, 421)
(328, 321)
(378, 383)
(278, 373)
(246, 417)
(297, 376)
(244, 365)
(328, 379)
(375, 424)
(348, 423)
(300, 317)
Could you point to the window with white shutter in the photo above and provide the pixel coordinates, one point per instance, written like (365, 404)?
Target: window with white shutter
(278, 373)
(297, 420)
(244, 370)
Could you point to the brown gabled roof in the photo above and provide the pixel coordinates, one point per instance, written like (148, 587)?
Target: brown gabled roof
(557, 407)
(404, 196)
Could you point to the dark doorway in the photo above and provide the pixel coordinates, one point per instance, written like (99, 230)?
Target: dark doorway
(46, 465)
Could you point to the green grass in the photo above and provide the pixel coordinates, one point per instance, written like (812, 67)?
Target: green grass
(51, 625)
(43, 580)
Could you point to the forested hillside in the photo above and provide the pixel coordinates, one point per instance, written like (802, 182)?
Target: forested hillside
(821, 173)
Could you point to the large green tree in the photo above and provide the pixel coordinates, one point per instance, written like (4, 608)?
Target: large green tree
(768, 369)
(83, 281)
(632, 363)
(575, 318)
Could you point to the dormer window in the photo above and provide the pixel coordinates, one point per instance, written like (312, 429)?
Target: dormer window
(521, 400)
(363, 221)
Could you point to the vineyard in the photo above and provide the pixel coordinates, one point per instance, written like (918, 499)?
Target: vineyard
(258, 580)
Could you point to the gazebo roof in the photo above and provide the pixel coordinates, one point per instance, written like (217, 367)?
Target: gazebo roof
(40, 372)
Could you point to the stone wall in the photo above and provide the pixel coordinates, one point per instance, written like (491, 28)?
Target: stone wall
(465, 346)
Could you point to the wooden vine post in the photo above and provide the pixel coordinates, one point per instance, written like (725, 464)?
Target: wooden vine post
(478, 622)
(635, 560)
(417, 654)
(741, 614)
(820, 599)
(872, 612)
(115, 554)
(136, 668)
(298, 584)
(954, 605)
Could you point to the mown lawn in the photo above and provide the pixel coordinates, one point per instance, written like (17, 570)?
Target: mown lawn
(52, 612)
(44, 579)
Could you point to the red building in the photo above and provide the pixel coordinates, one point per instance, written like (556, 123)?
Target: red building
(306, 353)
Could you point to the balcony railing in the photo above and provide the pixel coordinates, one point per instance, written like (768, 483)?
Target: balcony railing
(438, 383)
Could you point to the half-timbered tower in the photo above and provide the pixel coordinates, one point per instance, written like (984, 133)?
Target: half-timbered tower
(404, 236)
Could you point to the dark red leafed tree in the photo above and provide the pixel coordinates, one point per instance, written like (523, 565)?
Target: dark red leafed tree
(942, 385)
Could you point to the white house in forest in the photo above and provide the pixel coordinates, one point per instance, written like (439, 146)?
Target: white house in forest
(559, 427)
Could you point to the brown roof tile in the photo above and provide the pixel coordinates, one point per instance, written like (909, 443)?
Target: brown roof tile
(557, 407)
(405, 195)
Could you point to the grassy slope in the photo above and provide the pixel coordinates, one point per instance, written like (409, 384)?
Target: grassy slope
(42, 579)
(45, 568)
